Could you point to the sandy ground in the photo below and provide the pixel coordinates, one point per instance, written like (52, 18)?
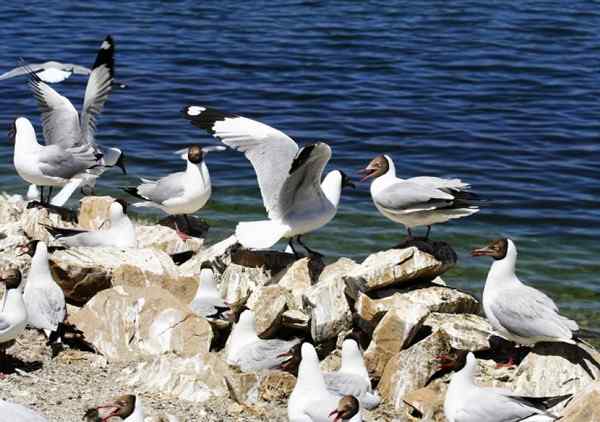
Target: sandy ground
(63, 387)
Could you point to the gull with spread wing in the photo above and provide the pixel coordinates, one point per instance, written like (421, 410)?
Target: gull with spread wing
(296, 200)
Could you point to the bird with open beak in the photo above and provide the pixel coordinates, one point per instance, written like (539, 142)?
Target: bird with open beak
(348, 406)
(127, 407)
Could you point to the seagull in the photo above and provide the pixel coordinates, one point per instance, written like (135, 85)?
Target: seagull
(352, 378)
(418, 201)
(51, 72)
(518, 312)
(311, 401)
(251, 353)
(13, 314)
(296, 200)
(120, 234)
(467, 402)
(127, 407)
(44, 299)
(70, 140)
(208, 302)
(179, 193)
(14, 412)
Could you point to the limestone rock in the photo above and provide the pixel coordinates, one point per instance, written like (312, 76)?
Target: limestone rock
(412, 368)
(272, 261)
(217, 254)
(392, 267)
(82, 272)
(268, 304)
(31, 219)
(466, 331)
(238, 282)
(585, 406)
(165, 239)
(192, 378)
(295, 319)
(427, 403)
(397, 328)
(243, 387)
(276, 386)
(297, 279)
(124, 323)
(94, 211)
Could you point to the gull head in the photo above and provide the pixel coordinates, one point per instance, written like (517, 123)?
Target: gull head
(11, 278)
(195, 154)
(350, 349)
(122, 406)
(348, 406)
(377, 167)
(496, 249)
(247, 320)
(21, 127)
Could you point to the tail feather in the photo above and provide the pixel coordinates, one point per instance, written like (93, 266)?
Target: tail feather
(133, 191)
(259, 234)
(58, 232)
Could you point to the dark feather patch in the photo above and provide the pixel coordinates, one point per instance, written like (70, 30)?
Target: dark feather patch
(206, 119)
(106, 56)
(301, 158)
(58, 232)
(132, 190)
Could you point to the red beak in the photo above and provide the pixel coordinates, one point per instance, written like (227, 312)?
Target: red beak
(367, 172)
(482, 252)
(337, 415)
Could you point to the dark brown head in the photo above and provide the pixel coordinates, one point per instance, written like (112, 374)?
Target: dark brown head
(11, 277)
(123, 204)
(377, 167)
(28, 248)
(496, 249)
(122, 406)
(195, 154)
(348, 406)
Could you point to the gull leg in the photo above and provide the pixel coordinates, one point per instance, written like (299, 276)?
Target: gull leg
(410, 236)
(183, 236)
(42, 188)
(427, 234)
(291, 244)
(49, 198)
(310, 251)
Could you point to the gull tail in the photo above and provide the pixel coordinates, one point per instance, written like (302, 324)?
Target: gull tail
(133, 191)
(259, 234)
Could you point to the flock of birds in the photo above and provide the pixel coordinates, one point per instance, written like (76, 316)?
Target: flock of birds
(298, 201)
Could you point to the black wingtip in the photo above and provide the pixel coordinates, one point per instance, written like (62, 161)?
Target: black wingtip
(301, 158)
(205, 117)
(132, 190)
(106, 55)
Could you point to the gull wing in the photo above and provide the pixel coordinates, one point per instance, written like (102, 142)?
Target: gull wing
(263, 354)
(269, 150)
(407, 197)
(169, 187)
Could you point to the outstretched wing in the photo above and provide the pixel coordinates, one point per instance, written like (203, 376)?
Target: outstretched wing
(270, 151)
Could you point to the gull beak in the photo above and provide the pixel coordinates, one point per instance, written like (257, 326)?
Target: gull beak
(337, 416)
(287, 354)
(486, 251)
(112, 413)
(367, 172)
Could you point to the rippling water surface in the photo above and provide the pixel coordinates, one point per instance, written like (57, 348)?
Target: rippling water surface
(505, 97)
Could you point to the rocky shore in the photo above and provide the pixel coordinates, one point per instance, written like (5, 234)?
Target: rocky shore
(131, 328)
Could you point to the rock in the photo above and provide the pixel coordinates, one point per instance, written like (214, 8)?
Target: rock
(272, 261)
(330, 313)
(31, 219)
(276, 386)
(193, 378)
(392, 267)
(94, 211)
(397, 328)
(125, 323)
(297, 279)
(467, 332)
(552, 369)
(585, 406)
(11, 208)
(191, 225)
(427, 403)
(295, 319)
(238, 282)
(412, 368)
(243, 387)
(83, 272)
(268, 304)
(217, 254)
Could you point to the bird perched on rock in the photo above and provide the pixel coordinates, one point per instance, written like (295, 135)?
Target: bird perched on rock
(467, 402)
(13, 314)
(44, 299)
(13, 412)
(518, 312)
(296, 200)
(120, 234)
(311, 401)
(418, 201)
(208, 302)
(127, 407)
(180, 193)
(249, 352)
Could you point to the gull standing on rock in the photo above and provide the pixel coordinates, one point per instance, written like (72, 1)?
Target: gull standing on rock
(127, 407)
(352, 378)
(518, 312)
(44, 299)
(13, 412)
(418, 201)
(208, 302)
(467, 402)
(296, 200)
(179, 193)
(70, 148)
(13, 314)
(311, 401)
(249, 352)
(120, 234)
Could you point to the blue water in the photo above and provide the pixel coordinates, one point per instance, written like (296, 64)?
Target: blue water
(505, 97)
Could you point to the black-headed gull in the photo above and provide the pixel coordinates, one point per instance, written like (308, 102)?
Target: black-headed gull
(311, 401)
(352, 378)
(208, 302)
(51, 72)
(120, 234)
(296, 200)
(516, 311)
(44, 299)
(127, 407)
(180, 193)
(249, 352)
(467, 402)
(13, 314)
(418, 201)
(13, 412)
